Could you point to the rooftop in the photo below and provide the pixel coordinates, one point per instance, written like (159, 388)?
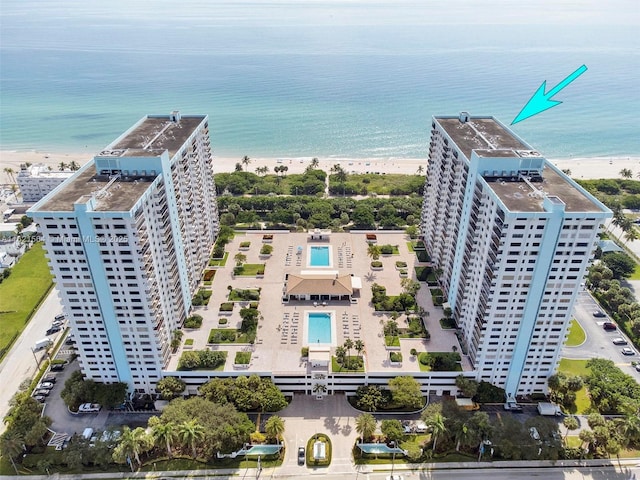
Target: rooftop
(149, 138)
(156, 134)
(88, 183)
(480, 134)
(521, 196)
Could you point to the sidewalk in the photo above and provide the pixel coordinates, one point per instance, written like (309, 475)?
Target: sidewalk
(348, 472)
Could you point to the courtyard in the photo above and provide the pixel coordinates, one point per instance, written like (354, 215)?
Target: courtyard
(284, 326)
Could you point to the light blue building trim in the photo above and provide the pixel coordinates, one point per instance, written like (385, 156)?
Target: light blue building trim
(101, 284)
(555, 219)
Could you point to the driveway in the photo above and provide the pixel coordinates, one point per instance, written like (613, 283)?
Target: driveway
(305, 416)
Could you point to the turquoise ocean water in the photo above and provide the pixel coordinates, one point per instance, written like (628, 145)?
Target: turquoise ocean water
(318, 78)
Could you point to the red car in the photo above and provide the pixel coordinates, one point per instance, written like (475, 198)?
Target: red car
(609, 326)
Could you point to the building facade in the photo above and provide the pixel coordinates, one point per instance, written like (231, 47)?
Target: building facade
(513, 237)
(127, 237)
(36, 181)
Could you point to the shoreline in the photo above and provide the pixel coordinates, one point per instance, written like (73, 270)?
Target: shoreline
(581, 167)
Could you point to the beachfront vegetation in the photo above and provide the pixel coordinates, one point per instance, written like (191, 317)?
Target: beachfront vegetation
(312, 212)
(170, 387)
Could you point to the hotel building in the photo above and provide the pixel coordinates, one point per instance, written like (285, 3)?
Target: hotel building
(127, 237)
(513, 237)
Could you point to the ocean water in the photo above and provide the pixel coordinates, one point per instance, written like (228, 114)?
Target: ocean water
(318, 78)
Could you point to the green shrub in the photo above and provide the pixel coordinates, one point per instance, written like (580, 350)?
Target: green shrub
(386, 249)
(201, 359)
(194, 321)
(401, 264)
(242, 358)
(376, 264)
(441, 361)
(266, 249)
(222, 321)
(413, 352)
(304, 352)
(226, 307)
(395, 356)
(245, 244)
(188, 342)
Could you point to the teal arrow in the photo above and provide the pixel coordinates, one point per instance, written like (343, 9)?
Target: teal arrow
(541, 101)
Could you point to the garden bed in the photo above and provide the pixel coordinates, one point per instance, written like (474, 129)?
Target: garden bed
(242, 359)
(244, 295)
(227, 335)
(249, 270)
(219, 262)
(313, 462)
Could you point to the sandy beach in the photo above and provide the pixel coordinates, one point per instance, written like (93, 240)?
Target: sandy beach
(581, 168)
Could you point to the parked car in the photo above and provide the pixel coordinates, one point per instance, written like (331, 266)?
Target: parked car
(49, 379)
(619, 341)
(45, 385)
(301, 456)
(513, 407)
(89, 408)
(60, 317)
(609, 326)
(637, 367)
(53, 330)
(57, 323)
(40, 398)
(41, 391)
(57, 367)
(599, 314)
(533, 431)
(627, 351)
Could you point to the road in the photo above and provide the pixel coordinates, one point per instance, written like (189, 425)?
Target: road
(599, 342)
(20, 362)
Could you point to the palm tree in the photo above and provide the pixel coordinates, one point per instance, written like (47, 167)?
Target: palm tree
(262, 170)
(73, 166)
(274, 427)
(11, 445)
(420, 170)
(190, 433)
(348, 345)
(462, 435)
(164, 434)
(359, 346)
(314, 163)
(240, 258)
(245, 161)
(365, 425)
(626, 173)
(10, 173)
(566, 171)
(629, 428)
(134, 442)
(340, 354)
(373, 251)
(631, 235)
(62, 166)
(570, 423)
(436, 423)
(319, 388)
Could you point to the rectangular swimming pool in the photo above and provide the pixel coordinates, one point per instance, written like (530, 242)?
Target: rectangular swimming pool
(319, 328)
(319, 256)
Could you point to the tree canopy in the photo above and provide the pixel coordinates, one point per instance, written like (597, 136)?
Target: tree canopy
(245, 393)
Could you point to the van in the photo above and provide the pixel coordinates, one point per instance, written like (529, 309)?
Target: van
(87, 433)
(44, 343)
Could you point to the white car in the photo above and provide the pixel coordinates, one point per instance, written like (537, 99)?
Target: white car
(89, 408)
(533, 431)
(45, 386)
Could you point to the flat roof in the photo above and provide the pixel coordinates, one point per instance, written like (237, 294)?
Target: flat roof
(149, 138)
(121, 196)
(483, 133)
(519, 196)
(157, 134)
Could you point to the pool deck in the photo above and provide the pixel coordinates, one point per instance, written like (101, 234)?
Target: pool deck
(277, 349)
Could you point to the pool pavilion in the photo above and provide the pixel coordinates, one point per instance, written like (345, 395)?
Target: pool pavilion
(320, 286)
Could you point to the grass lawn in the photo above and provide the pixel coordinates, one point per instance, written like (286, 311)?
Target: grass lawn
(576, 334)
(251, 269)
(410, 246)
(21, 293)
(577, 367)
(392, 341)
(219, 262)
(236, 295)
(573, 441)
(336, 367)
(636, 273)
(242, 358)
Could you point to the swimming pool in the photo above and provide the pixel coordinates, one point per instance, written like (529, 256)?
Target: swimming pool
(320, 328)
(319, 256)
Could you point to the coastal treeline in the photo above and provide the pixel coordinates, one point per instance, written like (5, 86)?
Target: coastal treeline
(313, 212)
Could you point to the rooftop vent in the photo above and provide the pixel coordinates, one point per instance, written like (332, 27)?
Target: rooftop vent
(464, 117)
